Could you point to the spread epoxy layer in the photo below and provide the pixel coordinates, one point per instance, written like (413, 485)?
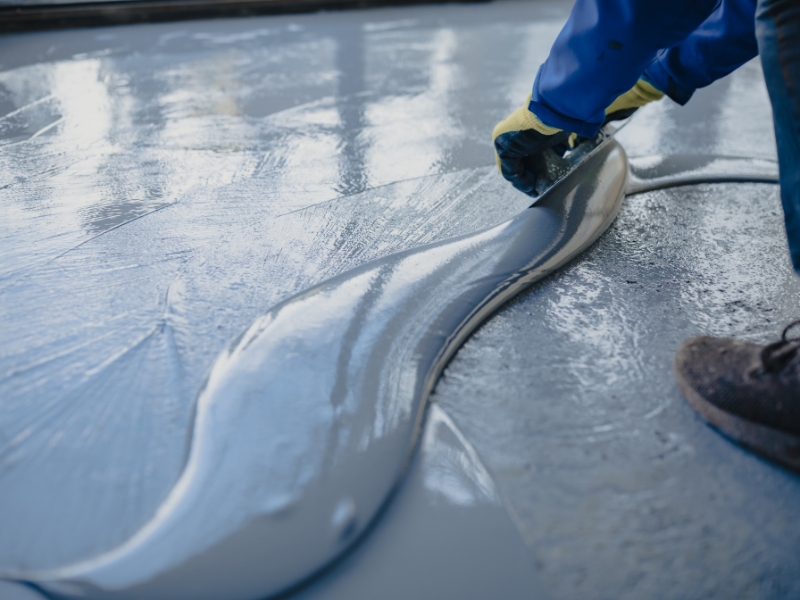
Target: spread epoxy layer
(305, 423)
(650, 173)
(390, 326)
(445, 534)
(165, 184)
(262, 156)
(144, 309)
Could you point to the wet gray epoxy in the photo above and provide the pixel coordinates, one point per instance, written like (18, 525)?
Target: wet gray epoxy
(305, 423)
(648, 135)
(258, 157)
(660, 172)
(222, 515)
(446, 527)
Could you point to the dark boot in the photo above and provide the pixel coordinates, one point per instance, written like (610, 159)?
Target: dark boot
(751, 393)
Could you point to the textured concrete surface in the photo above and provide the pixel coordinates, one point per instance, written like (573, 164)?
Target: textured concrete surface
(568, 396)
(568, 392)
(162, 185)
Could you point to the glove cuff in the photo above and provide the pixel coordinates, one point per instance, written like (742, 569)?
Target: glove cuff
(533, 122)
(640, 94)
(523, 119)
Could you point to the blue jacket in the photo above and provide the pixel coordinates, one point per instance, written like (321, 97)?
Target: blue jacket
(606, 45)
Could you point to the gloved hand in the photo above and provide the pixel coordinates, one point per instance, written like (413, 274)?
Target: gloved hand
(519, 142)
(521, 138)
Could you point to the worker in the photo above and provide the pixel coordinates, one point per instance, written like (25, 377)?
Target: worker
(613, 57)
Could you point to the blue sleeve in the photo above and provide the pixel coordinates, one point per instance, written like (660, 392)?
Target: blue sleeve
(724, 42)
(601, 52)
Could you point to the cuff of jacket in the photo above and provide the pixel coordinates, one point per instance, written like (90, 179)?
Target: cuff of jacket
(550, 116)
(660, 78)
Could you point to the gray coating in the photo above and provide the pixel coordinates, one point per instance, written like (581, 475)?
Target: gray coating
(279, 351)
(223, 168)
(163, 185)
(10, 590)
(305, 423)
(649, 173)
(446, 527)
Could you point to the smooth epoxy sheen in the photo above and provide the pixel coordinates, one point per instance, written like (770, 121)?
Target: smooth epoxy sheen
(164, 185)
(305, 423)
(215, 169)
(447, 527)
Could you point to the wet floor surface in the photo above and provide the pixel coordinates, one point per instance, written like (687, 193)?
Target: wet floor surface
(166, 184)
(163, 185)
(568, 396)
(568, 393)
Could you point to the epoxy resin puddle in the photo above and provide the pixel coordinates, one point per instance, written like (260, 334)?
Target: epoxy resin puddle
(199, 181)
(305, 423)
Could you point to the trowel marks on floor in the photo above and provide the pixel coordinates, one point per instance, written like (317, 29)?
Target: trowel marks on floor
(162, 185)
(304, 425)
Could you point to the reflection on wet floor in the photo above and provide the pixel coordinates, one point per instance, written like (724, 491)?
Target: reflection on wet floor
(313, 411)
(249, 159)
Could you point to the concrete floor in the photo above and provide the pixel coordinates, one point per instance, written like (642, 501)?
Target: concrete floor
(162, 185)
(568, 393)
(568, 396)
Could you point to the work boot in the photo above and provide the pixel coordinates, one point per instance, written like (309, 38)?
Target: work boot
(750, 392)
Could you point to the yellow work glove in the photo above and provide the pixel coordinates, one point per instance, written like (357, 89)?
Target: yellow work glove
(626, 104)
(519, 142)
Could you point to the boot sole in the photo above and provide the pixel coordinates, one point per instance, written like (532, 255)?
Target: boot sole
(775, 445)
